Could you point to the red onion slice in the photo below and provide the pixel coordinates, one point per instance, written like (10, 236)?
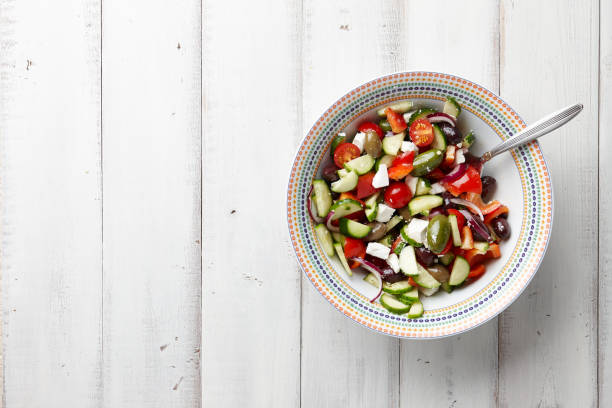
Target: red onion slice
(467, 203)
(456, 173)
(477, 225)
(311, 208)
(442, 117)
(370, 267)
(328, 223)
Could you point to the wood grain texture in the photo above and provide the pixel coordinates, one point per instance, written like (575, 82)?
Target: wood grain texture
(462, 368)
(605, 206)
(345, 43)
(151, 170)
(251, 295)
(50, 198)
(548, 337)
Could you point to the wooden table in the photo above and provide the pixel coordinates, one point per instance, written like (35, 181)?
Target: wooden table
(144, 154)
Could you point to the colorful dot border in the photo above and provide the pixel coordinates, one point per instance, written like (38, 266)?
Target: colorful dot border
(533, 236)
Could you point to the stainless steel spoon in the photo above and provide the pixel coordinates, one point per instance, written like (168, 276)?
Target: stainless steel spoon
(535, 130)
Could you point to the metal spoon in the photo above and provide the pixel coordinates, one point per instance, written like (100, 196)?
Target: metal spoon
(535, 130)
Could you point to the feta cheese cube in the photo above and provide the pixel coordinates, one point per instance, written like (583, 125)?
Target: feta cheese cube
(381, 178)
(411, 182)
(409, 147)
(437, 188)
(384, 213)
(459, 157)
(358, 140)
(417, 230)
(393, 262)
(378, 250)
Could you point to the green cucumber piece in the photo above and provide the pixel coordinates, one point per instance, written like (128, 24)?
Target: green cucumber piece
(393, 305)
(407, 261)
(460, 271)
(397, 287)
(386, 159)
(423, 187)
(452, 218)
(424, 278)
(468, 140)
(409, 297)
(425, 162)
(420, 114)
(416, 310)
(340, 253)
(424, 203)
(353, 229)
(482, 247)
(393, 222)
(429, 292)
(439, 138)
(338, 237)
(371, 204)
(387, 240)
(392, 144)
(371, 279)
(398, 107)
(360, 165)
(342, 208)
(447, 287)
(322, 197)
(398, 249)
(447, 258)
(338, 139)
(385, 125)
(325, 238)
(451, 107)
(346, 183)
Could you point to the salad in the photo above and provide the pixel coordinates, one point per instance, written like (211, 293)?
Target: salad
(405, 200)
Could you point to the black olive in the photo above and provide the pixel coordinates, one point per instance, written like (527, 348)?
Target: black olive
(452, 134)
(488, 186)
(425, 256)
(501, 228)
(330, 173)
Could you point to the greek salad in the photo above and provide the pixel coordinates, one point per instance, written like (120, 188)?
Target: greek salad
(404, 200)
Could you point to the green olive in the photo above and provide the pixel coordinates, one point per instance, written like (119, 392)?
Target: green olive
(405, 213)
(372, 144)
(426, 162)
(384, 125)
(438, 233)
(439, 272)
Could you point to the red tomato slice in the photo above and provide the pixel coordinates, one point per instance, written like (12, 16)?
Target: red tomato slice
(364, 186)
(397, 195)
(367, 126)
(345, 152)
(421, 132)
(396, 120)
(354, 248)
(403, 158)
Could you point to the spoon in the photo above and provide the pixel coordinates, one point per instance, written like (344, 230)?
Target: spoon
(535, 130)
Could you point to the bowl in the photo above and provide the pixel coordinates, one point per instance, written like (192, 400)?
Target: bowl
(523, 184)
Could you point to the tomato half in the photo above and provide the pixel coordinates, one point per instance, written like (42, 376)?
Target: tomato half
(397, 195)
(354, 248)
(345, 152)
(421, 132)
(396, 120)
(364, 186)
(367, 126)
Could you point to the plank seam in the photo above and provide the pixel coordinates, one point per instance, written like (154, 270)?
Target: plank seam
(597, 345)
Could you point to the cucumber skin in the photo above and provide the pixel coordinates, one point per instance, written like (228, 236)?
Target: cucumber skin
(419, 114)
(347, 227)
(325, 239)
(338, 139)
(393, 309)
(439, 138)
(459, 279)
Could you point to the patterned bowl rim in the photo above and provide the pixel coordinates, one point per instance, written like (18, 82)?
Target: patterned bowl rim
(543, 175)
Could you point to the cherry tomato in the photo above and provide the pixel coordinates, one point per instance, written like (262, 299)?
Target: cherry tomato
(396, 120)
(354, 248)
(397, 195)
(421, 132)
(364, 186)
(367, 126)
(403, 158)
(345, 152)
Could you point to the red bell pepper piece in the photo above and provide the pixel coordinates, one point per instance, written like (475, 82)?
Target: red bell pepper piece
(396, 120)
(468, 183)
(476, 271)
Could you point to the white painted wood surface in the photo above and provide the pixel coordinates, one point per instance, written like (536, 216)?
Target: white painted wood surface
(110, 110)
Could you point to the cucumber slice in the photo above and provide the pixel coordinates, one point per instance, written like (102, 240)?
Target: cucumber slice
(429, 292)
(393, 222)
(408, 262)
(447, 258)
(411, 235)
(371, 279)
(447, 287)
(322, 197)
(424, 203)
(424, 278)
(399, 107)
(398, 249)
(397, 287)
(342, 208)
(339, 138)
(423, 187)
(452, 218)
(439, 138)
(360, 165)
(353, 228)
(384, 125)
(468, 140)
(416, 310)
(386, 159)
(338, 237)
(346, 183)
(371, 204)
(420, 114)
(387, 240)
(460, 271)
(393, 305)
(340, 253)
(451, 107)
(392, 144)
(409, 297)
(482, 247)
(325, 238)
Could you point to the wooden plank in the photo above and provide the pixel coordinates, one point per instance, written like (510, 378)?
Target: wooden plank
(50, 198)
(463, 369)
(251, 285)
(605, 205)
(345, 44)
(151, 170)
(548, 338)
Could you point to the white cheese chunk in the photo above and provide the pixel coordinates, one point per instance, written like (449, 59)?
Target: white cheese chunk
(409, 147)
(384, 213)
(378, 250)
(459, 157)
(381, 178)
(417, 230)
(411, 182)
(437, 188)
(393, 262)
(358, 140)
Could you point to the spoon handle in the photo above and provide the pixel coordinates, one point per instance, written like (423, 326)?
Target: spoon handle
(535, 130)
